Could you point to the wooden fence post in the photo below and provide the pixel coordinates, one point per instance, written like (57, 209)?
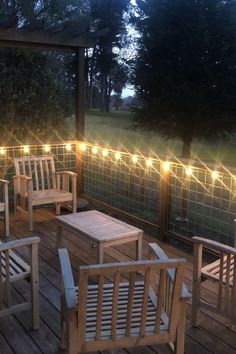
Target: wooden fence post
(164, 200)
(79, 114)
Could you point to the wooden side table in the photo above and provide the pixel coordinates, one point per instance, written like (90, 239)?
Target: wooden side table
(103, 230)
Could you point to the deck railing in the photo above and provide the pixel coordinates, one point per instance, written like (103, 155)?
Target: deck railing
(178, 199)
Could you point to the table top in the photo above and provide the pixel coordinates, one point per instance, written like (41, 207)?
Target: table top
(98, 226)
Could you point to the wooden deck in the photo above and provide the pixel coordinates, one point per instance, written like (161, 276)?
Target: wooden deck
(215, 334)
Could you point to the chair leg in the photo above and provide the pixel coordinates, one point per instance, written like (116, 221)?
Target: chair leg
(72, 333)
(30, 211)
(58, 208)
(35, 286)
(196, 294)
(6, 220)
(179, 344)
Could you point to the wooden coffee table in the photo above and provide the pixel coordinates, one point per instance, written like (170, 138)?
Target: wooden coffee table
(100, 229)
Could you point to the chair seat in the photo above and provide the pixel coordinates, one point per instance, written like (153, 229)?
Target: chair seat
(122, 311)
(212, 270)
(50, 196)
(18, 268)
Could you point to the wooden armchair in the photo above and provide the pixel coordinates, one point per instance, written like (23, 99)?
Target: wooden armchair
(37, 183)
(123, 309)
(14, 268)
(222, 272)
(4, 206)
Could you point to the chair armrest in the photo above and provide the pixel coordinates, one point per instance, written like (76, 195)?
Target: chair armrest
(4, 181)
(27, 178)
(158, 252)
(67, 279)
(69, 173)
(210, 244)
(19, 243)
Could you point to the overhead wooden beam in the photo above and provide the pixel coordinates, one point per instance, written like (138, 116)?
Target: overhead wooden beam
(41, 39)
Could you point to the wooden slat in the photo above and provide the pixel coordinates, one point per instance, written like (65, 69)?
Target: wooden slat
(41, 174)
(115, 304)
(145, 301)
(132, 277)
(36, 176)
(99, 306)
(160, 298)
(220, 290)
(7, 279)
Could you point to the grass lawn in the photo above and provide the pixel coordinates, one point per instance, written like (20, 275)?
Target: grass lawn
(113, 129)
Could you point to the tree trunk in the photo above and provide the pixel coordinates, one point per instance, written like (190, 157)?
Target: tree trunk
(186, 151)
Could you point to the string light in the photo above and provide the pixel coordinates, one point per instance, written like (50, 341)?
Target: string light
(149, 162)
(104, 152)
(2, 151)
(83, 147)
(47, 148)
(215, 175)
(26, 149)
(189, 171)
(117, 155)
(94, 150)
(166, 166)
(68, 147)
(134, 158)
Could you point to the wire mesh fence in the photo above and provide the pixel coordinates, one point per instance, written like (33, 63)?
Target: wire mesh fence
(123, 182)
(201, 201)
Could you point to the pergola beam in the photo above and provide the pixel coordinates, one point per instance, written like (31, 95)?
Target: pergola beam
(15, 37)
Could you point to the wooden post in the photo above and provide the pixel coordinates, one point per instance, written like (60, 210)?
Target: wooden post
(79, 113)
(164, 201)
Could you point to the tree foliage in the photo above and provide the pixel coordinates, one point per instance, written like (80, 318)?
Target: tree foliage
(185, 74)
(104, 67)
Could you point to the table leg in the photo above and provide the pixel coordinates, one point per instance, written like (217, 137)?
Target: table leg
(139, 247)
(59, 236)
(100, 253)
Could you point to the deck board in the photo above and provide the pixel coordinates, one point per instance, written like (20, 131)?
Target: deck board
(215, 334)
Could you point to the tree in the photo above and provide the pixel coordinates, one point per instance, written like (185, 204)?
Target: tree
(32, 98)
(185, 73)
(104, 62)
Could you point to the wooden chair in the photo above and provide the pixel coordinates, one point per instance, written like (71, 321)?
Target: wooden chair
(4, 206)
(37, 183)
(123, 309)
(222, 272)
(12, 269)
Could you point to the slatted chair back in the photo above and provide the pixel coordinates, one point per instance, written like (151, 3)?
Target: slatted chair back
(222, 272)
(40, 168)
(14, 268)
(125, 308)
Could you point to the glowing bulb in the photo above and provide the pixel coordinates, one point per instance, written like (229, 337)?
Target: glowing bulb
(149, 162)
(166, 166)
(104, 152)
(134, 158)
(26, 149)
(83, 147)
(2, 151)
(189, 171)
(68, 147)
(47, 148)
(94, 150)
(117, 155)
(215, 175)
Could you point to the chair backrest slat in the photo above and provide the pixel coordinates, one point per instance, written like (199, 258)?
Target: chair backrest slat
(221, 281)
(8, 284)
(227, 282)
(160, 298)
(1, 281)
(233, 292)
(132, 277)
(145, 301)
(115, 304)
(99, 306)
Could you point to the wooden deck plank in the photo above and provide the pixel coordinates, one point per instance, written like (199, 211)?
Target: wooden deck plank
(215, 334)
